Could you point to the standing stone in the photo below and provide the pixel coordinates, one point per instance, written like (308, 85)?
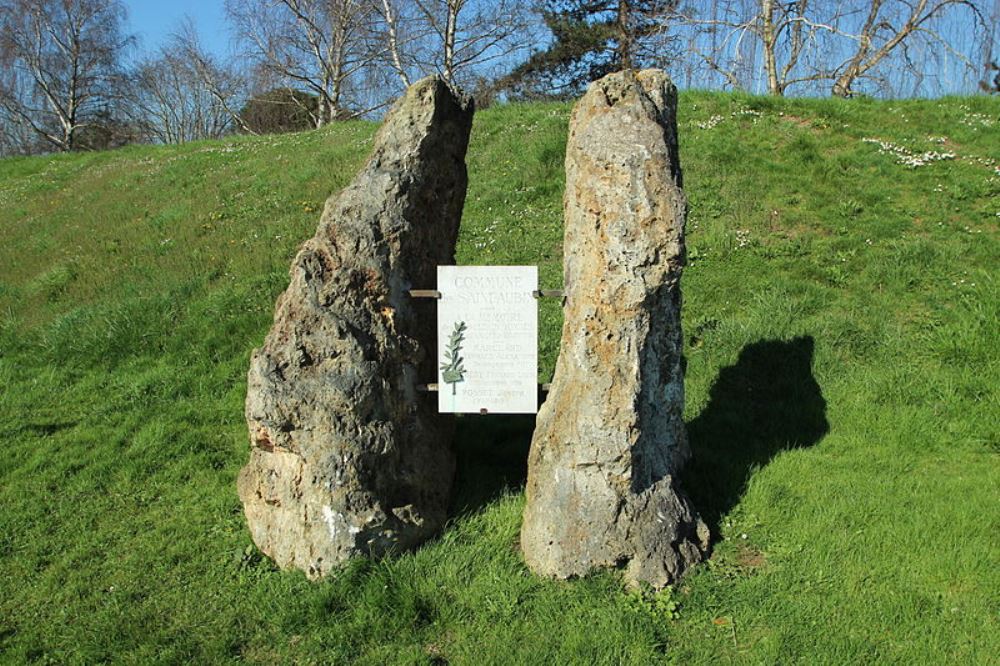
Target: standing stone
(346, 457)
(610, 437)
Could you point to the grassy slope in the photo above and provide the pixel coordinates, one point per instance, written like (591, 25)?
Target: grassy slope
(841, 316)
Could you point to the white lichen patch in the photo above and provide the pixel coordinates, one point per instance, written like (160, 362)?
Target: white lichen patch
(334, 521)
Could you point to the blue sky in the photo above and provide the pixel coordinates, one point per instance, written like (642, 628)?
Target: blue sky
(152, 21)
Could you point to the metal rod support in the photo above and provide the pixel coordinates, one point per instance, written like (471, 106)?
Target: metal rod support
(432, 388)
(538, 293)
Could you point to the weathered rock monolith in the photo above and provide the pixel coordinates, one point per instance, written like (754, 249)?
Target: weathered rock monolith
(346, 457)
(610, 438)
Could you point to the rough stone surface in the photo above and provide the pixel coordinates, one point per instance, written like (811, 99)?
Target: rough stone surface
(346, 458)
(610, 437)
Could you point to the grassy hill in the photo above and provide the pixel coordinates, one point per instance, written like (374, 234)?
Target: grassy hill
(842, 323)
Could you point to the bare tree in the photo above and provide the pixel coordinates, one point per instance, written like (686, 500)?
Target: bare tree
(789, 37)
(169, 101)
(60, 59)
(772, 45)
(441, 16)
(461, 40)
(786, 29)
(991, 87)
(990, 83)
(889, 23)
(392, 33)
(391, 18)
(314, 45)
(467, 38)
(17, 138)
(227, 82)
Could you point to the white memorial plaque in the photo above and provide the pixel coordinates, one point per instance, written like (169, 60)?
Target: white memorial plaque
(487, 319)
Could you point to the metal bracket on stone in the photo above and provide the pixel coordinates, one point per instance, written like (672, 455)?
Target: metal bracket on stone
(432, 388)
(537, 293)
(424, 293)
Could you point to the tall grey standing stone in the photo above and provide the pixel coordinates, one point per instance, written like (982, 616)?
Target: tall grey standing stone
(610, 438)
(346, 457)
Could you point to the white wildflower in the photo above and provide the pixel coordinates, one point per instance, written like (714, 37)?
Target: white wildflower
(711, 122)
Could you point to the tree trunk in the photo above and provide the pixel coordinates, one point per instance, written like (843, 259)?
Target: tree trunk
(842, 86)
(390, 22)
(862, 61)
(769, 39)
(454, 6)
(624, 36)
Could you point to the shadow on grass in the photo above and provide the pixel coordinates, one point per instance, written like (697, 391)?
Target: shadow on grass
(767, 402)
(492, 456)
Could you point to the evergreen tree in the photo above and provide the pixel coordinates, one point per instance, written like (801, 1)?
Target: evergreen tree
(591, 38)
(280, 110)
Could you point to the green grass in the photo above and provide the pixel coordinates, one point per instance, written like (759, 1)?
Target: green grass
(842, 328)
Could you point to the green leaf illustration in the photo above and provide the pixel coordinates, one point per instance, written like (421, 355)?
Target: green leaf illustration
(452, 370)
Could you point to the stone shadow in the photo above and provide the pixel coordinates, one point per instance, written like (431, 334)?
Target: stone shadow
(768, 402)
(491, 455)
